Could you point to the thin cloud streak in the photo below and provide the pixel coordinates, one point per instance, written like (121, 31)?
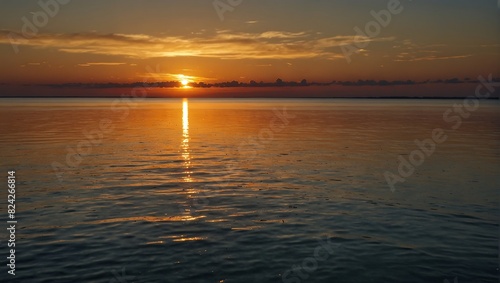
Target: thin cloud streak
(101, 64)
(432, 58)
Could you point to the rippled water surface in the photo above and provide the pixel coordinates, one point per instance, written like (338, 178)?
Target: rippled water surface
(253, 190)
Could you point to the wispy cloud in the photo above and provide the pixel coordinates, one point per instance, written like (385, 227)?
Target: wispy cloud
(101, 64)
(412, 52)
(432, 58)
(490, 45)
(36, 64)
(223, 44)
(176, 77)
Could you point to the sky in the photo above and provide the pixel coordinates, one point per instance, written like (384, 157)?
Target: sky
(125, 41)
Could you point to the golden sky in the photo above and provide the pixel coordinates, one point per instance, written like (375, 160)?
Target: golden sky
(94, 41)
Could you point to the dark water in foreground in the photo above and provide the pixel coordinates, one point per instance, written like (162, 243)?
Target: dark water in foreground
(232, 191)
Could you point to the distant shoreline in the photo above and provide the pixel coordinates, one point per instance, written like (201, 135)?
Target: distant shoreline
(260, 97)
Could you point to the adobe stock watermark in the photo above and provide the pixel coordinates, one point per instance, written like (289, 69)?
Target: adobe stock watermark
(300, 272)
(105, 126)
(223, 6)
(372, 29)
(49, 9)
(454, 116)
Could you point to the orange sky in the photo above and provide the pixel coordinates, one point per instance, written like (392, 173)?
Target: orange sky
(123, 41)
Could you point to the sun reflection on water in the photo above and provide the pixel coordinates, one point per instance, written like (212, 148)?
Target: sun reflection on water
(185, 141)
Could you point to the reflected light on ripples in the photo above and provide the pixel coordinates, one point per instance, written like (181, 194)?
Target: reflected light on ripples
(189, 239)
(154, 219)
(185, 140)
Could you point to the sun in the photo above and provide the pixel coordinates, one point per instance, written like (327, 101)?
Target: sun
(184, 80)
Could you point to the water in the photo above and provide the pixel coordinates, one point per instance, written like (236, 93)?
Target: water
(201, 190)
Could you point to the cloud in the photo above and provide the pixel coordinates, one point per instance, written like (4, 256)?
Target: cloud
(100, 64)
(281, 34)
(432, 58)
(35, 64)
(490, 45)
(223, 44)
(176, 77)
(412, 52)
(342, 40)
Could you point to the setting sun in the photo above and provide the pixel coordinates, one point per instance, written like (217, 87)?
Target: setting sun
(183, 80)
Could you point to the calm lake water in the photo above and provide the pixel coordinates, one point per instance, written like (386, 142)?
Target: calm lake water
(249, 190)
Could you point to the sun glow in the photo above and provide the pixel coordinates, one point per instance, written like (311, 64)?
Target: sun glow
(184, 80)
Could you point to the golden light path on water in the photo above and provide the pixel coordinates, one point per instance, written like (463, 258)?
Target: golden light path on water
(185, 141)
(190, 190)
